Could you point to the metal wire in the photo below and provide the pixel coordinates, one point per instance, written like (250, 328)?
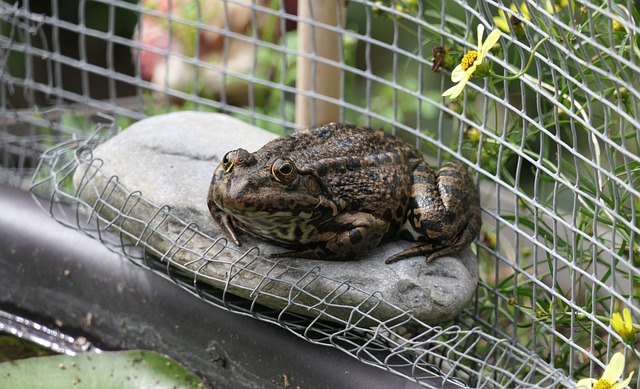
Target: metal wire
(46, 337)
(555, 151)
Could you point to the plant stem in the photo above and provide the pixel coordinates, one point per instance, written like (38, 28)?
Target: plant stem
(519, 74)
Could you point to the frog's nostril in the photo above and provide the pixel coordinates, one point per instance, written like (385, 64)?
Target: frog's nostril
(244, 158)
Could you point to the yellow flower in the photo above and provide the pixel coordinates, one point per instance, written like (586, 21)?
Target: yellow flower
(470, 62)
(624, 327)
(502, 22)
(557, 4)
(617, 26)
(611, 375)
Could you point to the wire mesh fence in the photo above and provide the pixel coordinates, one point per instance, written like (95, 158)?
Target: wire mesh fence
(546, 118)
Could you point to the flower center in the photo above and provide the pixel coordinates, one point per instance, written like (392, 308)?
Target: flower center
(515, 22)
(469, 59)
(602, 384)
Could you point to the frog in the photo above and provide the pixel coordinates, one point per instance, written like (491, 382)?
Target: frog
(336, 191)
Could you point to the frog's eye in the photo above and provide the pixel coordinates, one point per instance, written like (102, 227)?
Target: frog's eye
(283, 170)
(238, 157)
(228, 160)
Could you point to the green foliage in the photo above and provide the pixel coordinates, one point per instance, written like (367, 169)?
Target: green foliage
(569, 151)
(122, 369)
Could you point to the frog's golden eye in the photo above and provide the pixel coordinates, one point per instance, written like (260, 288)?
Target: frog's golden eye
(228, 160)
(283, 170)
(237, 158)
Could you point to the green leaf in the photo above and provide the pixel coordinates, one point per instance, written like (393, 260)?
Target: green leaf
(121, 369)
(12, 348)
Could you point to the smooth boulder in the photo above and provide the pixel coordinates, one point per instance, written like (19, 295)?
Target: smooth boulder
(151, 180)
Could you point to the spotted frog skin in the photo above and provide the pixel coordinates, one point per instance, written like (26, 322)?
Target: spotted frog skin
(336, 191)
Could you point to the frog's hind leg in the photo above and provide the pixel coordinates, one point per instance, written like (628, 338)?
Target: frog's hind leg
(441, 204)
(444, 214)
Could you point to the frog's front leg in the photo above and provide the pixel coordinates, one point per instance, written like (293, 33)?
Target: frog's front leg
(358, 233)
(224, 220)
(444, 213)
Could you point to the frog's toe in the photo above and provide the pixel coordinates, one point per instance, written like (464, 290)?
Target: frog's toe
(316, 253)
(426, 249)
(417, 249)
(310, 254)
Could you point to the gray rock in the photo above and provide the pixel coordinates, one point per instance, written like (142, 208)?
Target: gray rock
(151, 182)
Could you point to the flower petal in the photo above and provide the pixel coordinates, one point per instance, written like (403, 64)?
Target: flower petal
(554, 5)
(585, 383)
(521, 10)
(457, 74)
(449, 91)
(480, 34)
(550, 6)
(492, 39)
(614, 369)
(616, 322)
(623, 384)
(472, 69)
(457, 89)
(628, 320)
(501, 21)
(525, 12)
(453, 92)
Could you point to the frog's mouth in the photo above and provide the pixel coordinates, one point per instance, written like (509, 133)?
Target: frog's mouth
(277, 209)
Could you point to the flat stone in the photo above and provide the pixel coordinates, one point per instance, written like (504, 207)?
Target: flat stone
(151, 181)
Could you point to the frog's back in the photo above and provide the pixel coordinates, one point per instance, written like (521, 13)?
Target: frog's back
(333, 140)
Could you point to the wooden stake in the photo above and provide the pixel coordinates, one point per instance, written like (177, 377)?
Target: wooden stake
(313, 76)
